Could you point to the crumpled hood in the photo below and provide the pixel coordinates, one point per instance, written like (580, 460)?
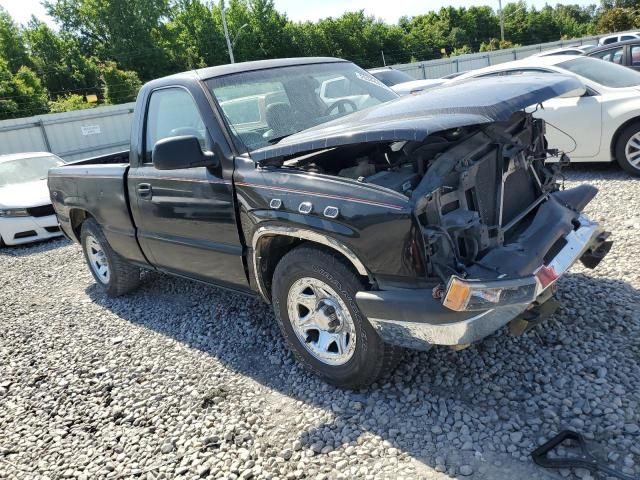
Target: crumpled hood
(415, 117)
(25, 195)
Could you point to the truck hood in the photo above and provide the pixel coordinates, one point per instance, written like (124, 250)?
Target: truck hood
(415, 117)
(25, 195)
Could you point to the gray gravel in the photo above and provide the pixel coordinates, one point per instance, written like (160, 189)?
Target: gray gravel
(179, 379)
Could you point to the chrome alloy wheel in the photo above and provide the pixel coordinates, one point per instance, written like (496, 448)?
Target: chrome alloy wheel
(97, 259)
(321, 321)
(632, 150)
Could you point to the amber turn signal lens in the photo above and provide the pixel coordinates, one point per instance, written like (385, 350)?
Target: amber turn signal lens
(458, 295)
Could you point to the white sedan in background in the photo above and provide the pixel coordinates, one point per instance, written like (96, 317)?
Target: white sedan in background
(601, 125)
(402, 83)
(26, 213)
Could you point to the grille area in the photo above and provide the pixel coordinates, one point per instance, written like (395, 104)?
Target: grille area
(41, 211)
(52, 229)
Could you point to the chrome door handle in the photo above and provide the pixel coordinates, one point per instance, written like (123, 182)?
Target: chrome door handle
(144, 190)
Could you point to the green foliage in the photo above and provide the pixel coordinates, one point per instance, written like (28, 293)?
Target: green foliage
(69, 103)
(58, 60)
(120, 86)
(12, 46)
(495, 44)
(618, 19)
(21, 94)
(463, 50)
(125, 31)
(193, 37)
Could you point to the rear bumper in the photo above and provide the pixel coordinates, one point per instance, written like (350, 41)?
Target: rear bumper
(412, 318)
(19, 230)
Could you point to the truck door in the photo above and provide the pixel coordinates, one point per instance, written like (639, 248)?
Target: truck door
(185, 218)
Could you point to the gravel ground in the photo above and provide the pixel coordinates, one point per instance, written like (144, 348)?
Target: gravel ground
(179, 379)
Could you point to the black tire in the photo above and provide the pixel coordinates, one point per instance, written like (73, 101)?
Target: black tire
(621, 144)
(123, 277)
(372, 358)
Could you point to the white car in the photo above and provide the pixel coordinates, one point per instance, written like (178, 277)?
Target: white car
(26, 213)
(601, 125)
(402, 83)
(619, 37)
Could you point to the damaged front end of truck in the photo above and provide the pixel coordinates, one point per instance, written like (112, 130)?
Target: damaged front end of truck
(495, 227)
(498, 229)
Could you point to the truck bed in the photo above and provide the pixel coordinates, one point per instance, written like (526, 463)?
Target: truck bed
(96, 185)
(107, 159)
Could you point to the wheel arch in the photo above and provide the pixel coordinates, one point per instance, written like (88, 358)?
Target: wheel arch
(618, 132)
(270, 244)
(77, 216)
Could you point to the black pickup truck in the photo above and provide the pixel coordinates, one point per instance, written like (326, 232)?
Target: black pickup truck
(369, 222)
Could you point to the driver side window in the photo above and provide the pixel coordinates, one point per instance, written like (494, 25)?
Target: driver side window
(172, 112)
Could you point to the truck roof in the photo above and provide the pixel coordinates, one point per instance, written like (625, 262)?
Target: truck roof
(221, 70)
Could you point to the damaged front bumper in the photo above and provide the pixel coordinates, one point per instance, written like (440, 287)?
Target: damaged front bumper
(471, 295)
(413, 318)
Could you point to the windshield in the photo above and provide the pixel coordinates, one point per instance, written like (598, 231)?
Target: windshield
(25, 170)
(261, 107)
(605, 73)
(392, 77)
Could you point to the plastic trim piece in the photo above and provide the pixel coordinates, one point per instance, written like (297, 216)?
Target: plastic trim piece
(304, 235)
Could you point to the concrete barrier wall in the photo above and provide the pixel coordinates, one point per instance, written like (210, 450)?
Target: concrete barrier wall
(71, 135)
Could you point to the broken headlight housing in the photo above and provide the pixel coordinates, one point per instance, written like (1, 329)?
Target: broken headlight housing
(464, 295)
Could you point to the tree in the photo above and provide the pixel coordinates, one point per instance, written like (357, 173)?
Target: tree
(120, 86)
(12, 45)
(193, 37)
(617, 19)
(59, 62)
(69, 103)
(22, 94)
(128, 32)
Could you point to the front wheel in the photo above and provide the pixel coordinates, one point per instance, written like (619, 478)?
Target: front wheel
(314, 303)
(628, 149)
(112, 272)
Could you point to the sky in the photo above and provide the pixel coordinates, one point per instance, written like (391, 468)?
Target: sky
(388, 10)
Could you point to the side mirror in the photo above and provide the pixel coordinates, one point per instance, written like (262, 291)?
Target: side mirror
(174, 153)
(575, 93)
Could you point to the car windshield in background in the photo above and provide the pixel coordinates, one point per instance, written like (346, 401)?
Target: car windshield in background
(263, 106)
(392, 77)
(605, 73)
(26, 170)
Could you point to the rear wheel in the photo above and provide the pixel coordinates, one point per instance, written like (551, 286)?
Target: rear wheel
(314, 303)
(628, 149)
(112, 272)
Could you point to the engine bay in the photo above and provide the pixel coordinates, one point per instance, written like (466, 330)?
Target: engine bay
(473, 189)
(398, 166)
